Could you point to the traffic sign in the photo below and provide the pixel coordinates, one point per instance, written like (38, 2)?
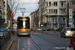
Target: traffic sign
(70, 23)
(70, 10)
(70, 15)
(70, 20)
(70, 7)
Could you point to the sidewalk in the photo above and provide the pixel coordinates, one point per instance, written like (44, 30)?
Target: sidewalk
(45, 32)
(9, 43)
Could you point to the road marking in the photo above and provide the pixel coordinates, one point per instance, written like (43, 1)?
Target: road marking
(18, 44)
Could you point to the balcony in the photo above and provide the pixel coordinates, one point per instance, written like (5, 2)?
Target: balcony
(52, 14)
(62, 0)
(62, 7)
(63, 13)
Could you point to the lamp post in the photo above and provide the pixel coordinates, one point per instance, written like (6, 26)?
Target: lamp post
(67, 14)
(22, 11)
(67, 4)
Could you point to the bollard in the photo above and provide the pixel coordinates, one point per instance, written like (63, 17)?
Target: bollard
(55, 30)
(43, 29)
(11, 32)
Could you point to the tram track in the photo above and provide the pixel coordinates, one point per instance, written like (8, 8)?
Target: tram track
(31, 41)
(34, 43)
(37, 47)
(51, 42)
(48, 41)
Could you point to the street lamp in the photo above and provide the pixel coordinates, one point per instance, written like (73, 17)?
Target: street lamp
(67, 14)
(67, 4)
(22, 11)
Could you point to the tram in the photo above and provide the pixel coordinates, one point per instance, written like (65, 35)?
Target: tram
(23, 26)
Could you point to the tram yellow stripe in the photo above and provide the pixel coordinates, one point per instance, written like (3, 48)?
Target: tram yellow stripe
(23, 30)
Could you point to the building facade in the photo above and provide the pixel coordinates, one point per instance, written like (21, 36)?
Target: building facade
(2, 8)
(5, 9)
(9, 16)
(5, 13)
(2, 13)
(53, 13)
(34, 20)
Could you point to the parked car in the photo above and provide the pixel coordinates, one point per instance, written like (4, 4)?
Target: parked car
(48, 29)
(3, 31)
(4, 36)
(39, 29)
(72, 41)
(60, 29)
(67, 32)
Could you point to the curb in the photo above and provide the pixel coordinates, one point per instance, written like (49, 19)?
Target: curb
(47, 32)
(8, 45)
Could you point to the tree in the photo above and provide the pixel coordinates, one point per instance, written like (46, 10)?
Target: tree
(36, 20)
(14, 5)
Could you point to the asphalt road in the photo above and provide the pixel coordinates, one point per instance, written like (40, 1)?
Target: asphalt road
(42, 42)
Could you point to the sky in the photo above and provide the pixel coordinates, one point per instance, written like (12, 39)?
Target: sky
(30, 5)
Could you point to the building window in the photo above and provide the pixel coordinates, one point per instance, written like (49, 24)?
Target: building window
(72, 3)
(49, 3)
(62, 19)
(54, 19)
(53, 11)
(63, 11)
(55, 3)
(63, 4)
(50, 10)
